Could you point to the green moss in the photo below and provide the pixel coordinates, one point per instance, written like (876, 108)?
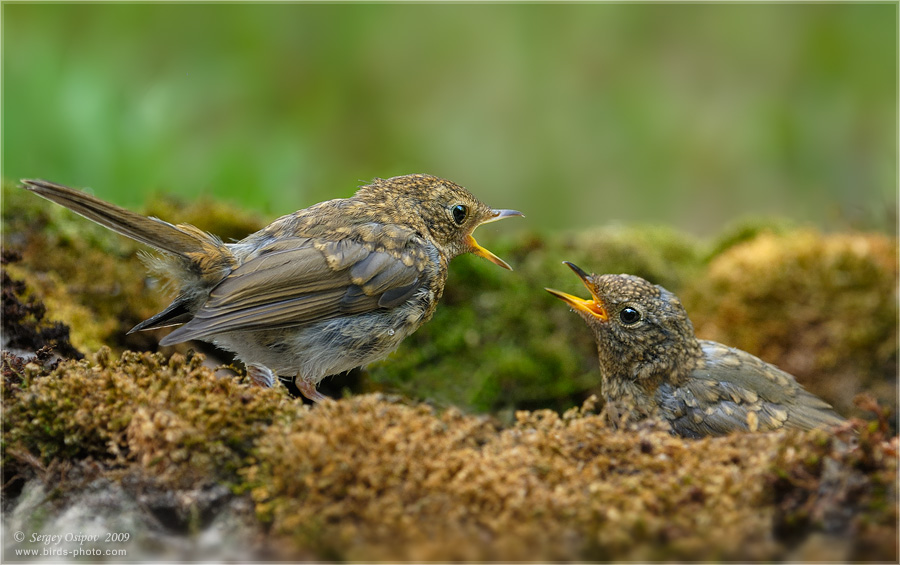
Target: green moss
(821, 306)
(498, 341)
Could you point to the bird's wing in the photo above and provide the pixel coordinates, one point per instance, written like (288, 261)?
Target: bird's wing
(296, 281)
(736, 391)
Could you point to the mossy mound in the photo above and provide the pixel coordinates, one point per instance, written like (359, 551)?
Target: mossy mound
(170, 417)
(362, 479)
(821, 307)
(375, 478)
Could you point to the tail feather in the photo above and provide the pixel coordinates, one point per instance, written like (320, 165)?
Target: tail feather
(178, 312)
(150, 231)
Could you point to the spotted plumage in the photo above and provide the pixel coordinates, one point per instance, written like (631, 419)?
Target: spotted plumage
(653, 366)
(317, 292)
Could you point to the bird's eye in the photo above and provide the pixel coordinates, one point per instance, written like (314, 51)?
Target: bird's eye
(459, 214)
(629, 316)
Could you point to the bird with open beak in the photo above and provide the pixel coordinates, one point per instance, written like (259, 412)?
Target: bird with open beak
(653, 366)
(317, 292)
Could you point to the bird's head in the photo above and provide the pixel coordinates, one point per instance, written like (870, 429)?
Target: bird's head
(642, 330)
(442, 211)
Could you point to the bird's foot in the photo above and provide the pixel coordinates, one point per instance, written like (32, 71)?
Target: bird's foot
(308, 389)
(261, 375)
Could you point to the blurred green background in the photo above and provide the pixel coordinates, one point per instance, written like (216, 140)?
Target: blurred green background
(577, 114)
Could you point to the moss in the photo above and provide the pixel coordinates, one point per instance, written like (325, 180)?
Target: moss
(25, 327)
(821, 306)
(506, 342)
(833, 488)
(747, 229)
(172, 418)
(376, 478)
(365, 479)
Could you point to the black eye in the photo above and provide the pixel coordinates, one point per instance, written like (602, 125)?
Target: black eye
(459, 213)
(629, 316)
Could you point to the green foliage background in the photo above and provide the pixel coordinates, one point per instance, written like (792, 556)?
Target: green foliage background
(577, 114)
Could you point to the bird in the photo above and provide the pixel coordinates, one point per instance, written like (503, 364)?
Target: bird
(317, 292)
(654, 367)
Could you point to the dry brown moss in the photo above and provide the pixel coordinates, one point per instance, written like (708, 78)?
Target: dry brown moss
(364, 479)
(171, 418)
(820, 306)
(371, 477)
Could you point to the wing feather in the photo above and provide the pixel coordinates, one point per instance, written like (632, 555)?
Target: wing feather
(746, 393)
(298, 281)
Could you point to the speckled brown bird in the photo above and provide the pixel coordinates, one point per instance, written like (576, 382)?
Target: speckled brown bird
(323, 290)
(653, 365)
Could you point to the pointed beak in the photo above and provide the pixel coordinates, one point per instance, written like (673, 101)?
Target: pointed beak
(594, 307)
(481, 251)
(500, 214)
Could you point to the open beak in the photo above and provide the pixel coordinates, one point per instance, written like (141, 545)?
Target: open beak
(481, 251)
(594, 307)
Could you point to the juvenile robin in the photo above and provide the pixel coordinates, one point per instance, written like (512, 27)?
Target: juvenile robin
(653, 366)
(323, 290)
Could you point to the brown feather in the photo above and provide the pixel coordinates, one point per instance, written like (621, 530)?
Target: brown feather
(296, 285)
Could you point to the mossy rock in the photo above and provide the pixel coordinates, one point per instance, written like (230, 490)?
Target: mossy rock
(366, 480)
(377, 478)
(171, 417)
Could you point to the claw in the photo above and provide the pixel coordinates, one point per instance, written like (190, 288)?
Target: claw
(308, 389)
(261, 375)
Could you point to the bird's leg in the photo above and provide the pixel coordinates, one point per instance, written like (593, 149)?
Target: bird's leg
(264, 377)
(261, 375)
(308, 389)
